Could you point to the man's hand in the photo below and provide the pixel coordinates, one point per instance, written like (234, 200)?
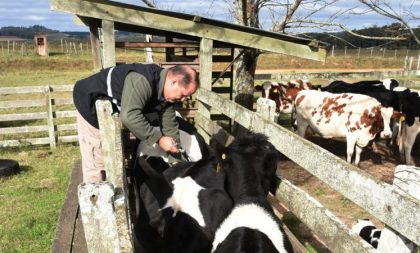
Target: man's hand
(168, 144)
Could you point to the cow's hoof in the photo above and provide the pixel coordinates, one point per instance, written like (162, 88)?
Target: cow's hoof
(8, 167)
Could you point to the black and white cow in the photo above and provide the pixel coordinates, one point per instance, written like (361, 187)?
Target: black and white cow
(250, 164)
(368, 231)
(181, 205)
(387, 83)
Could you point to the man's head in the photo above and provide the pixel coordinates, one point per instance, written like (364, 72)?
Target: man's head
(181, 82)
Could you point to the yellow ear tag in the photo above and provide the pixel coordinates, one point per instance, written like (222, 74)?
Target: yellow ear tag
(223, 156)
(402, 118)
(275, 91)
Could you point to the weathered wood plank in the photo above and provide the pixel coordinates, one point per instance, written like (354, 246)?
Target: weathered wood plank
(68, 138)
(97, 211)
(65, 231)
(110, 128)
(205, 69)
(65, 114)
(108, 52)
(320, 220)
(22, 90)
(21, 103)
(63, 101)
(135, 15)
(50, 119)
(64, 127)
(23, 142)
(376, 197)
(24, 129)
(23, 116)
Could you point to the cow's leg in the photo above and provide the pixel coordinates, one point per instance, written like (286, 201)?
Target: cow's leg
(351, 142)
(408, 142)
(302, 125)
(395, 132)
(357, 157)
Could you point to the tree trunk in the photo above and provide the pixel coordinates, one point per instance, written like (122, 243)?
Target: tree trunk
(244, 68)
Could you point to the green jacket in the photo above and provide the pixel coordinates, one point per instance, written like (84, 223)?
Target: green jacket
(137, 92)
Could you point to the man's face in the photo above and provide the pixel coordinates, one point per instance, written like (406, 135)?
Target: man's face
(173, 92)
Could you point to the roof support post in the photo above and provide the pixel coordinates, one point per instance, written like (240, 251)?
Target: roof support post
(108, 40)
(206, 66)
(95, 44)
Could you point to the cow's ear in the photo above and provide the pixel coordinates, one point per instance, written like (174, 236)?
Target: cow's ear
(258, 87)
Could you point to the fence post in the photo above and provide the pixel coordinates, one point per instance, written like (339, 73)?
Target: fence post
(383, 53)
(395, 53)
(267, 109)
(81, 48)
(407, 180)
(371, 51)
(23, 50)
(418, 61)
(62, 46)
(50, 120)
(75, 49)
(332, 51)
(99, 221)
(8, 47)
(410, 64)
(345, 51)
(358, 53)
(110, 128)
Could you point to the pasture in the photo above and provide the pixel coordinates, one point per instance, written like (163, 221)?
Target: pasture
(31, 201)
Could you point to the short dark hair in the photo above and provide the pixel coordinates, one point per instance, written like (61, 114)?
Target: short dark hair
(187, 78)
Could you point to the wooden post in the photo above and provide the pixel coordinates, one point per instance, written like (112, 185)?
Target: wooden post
(371, 51)
(410, 63)
(345, 51)
(8, 46)
(75, 49)
(418, 61)
(267, 108)
(149, 52)
(99, 221)
(332, 51)
(108, 50)
(406, 63)
(13, 46)
(95, 45)
(23, 50)
(62, 47)
(395, 53)
(383, 53)
(81, 48)
(50, 120)
(206, 63)
(358, 53)
(111, 140)
(407, 181)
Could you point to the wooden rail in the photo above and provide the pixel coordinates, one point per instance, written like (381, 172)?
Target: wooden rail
(48, 106)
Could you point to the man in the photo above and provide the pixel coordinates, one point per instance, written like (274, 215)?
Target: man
(134, 90)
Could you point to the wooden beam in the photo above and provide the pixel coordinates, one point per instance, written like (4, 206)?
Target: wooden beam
(236, 35)
(158, 44)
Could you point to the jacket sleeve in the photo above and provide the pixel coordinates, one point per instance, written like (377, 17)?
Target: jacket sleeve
(170, 125)
(137, 92)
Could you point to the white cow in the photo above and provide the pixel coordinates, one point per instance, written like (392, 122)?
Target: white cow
(356, 117)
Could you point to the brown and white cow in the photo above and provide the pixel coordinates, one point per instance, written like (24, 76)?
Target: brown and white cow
(356, 117)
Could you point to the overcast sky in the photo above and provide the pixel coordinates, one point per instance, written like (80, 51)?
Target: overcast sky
(37, 12)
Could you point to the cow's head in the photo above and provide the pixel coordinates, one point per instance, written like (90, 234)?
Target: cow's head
(250, 164)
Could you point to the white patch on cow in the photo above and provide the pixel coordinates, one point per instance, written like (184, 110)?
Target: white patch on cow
(387, 83)
(386, 113)
(408, 138)
(254, 217)
(154, 150)
(185, 199)
(191, 146)
(360, 224)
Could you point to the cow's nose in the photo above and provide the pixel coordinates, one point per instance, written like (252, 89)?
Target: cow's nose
(386, 135)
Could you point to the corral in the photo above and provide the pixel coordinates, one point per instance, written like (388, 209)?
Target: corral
(339, 239)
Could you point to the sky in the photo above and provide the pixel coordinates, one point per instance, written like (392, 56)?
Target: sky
(29, 12)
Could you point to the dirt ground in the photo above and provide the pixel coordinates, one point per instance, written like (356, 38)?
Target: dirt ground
(380, 165)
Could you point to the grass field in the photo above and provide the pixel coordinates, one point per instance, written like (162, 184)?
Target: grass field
(31, 201)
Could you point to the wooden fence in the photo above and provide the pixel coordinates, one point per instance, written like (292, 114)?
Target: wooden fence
(37, 110)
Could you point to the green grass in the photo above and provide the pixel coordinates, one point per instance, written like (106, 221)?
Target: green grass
(31, 200)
